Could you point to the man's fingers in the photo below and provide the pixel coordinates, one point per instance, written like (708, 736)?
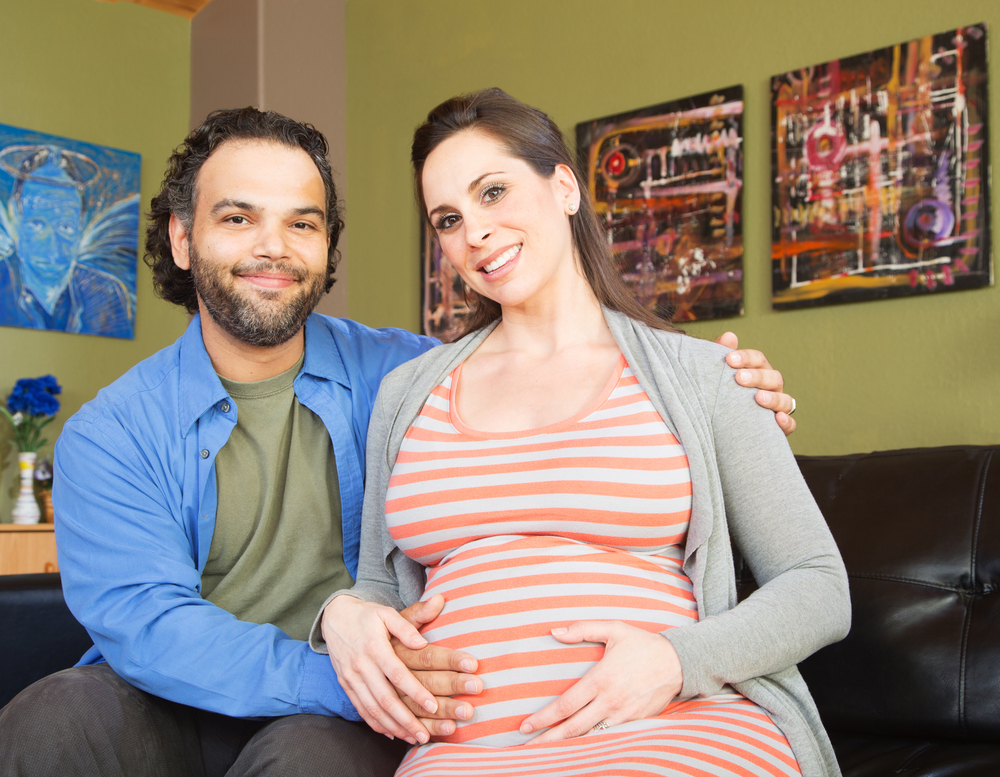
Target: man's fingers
(768, 380)
(775, 401)
(748, 358)
(729, 340)
(448, 709)
(450, 683)
(786, 422)
(435, 658)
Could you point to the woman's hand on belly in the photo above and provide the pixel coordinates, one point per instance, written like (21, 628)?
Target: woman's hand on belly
(639, 675)
(358, 637)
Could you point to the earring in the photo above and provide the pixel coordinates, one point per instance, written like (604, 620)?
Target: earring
(571, 208)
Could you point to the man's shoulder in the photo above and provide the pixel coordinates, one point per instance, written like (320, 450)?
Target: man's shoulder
(370, 352)
(362, 335)
(149, 386)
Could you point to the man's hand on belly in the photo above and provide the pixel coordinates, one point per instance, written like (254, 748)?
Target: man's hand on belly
(442, 671)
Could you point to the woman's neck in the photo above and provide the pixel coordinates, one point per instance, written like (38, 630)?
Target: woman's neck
(569, 316)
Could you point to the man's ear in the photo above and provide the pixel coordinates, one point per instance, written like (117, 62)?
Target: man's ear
(179, 243)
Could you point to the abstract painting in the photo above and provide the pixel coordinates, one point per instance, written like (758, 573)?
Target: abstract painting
(667, 183)
(442, 290)
(69, 234)
(880, 171)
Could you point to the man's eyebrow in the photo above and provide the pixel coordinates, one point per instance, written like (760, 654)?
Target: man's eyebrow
(310, 210)
(222, 205)
(306, 210)
(472, 187)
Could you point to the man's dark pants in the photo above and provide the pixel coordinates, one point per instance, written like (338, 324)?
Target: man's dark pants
(89, 721)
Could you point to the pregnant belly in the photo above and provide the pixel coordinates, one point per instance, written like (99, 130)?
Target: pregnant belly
(504, 595)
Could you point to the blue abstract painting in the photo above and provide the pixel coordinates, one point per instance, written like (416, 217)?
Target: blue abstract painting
(69, 234)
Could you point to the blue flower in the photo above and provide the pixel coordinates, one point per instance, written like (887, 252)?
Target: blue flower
(35, 396)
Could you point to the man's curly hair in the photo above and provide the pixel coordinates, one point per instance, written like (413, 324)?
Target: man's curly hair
(177, 194)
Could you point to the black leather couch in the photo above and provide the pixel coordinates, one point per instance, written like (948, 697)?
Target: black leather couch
(914, 690)
(38, 633)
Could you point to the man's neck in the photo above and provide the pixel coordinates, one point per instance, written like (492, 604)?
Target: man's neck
(235, 360)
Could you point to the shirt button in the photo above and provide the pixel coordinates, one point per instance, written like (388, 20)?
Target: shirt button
(225, 407)
(204, 453)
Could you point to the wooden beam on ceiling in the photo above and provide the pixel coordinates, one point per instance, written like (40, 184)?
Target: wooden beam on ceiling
(185, 8)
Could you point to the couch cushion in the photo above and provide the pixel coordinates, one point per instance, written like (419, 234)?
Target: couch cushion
(919, 531)
(39, 634)
(861, 756)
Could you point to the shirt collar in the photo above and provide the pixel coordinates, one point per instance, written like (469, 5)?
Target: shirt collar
(323, 358)
(200, 387)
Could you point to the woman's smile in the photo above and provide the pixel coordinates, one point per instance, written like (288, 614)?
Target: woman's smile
(501, 261)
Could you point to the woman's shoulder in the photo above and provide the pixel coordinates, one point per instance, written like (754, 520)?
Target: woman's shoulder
(428, 368)
(701, 358)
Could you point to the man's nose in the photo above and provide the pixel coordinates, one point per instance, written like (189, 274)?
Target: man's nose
(271, 243)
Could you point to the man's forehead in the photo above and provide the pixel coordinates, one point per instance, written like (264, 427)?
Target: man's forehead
(243, 159)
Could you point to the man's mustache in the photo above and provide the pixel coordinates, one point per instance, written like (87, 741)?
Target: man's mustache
(253, 267)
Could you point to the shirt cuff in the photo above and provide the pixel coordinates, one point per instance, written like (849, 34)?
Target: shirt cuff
(320, 692)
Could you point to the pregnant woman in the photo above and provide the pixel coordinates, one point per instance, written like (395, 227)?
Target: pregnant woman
(572, 477)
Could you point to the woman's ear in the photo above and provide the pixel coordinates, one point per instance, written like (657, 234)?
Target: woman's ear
(567, 188)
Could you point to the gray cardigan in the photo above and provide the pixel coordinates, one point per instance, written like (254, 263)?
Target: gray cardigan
(747, 490)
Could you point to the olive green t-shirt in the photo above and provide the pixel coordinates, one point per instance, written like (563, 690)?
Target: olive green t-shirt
(277, 551)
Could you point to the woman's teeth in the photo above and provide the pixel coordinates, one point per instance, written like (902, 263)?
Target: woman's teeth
(501, 260)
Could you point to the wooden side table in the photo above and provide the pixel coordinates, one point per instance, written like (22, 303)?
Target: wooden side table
(27, 549)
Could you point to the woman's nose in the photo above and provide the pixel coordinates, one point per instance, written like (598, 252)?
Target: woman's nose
(477, 230)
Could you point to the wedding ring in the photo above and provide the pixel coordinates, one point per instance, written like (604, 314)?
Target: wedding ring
(793, 406)
(601, 726)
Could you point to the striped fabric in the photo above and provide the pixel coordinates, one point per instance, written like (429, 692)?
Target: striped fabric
(527, 531)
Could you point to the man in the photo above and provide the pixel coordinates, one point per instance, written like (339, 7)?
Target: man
(210, 499)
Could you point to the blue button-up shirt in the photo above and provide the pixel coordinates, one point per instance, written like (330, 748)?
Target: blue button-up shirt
(135, 492)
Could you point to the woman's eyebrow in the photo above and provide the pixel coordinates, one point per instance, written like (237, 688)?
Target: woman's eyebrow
(472, 187)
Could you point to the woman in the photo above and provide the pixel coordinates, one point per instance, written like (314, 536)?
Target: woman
(570, 476)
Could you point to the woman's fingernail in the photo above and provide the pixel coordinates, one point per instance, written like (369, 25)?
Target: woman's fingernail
(422, 738)
(525, 728)
(464, 711)
(764, 396)
(468, 665)
(735, 359)
(559, 632)
(744, 376)
(472, 687)
(430, 705)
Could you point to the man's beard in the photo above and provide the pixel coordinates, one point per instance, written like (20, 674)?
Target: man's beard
(261, 319)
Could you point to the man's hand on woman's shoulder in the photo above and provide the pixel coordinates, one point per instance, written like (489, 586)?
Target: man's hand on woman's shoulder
(754, 371)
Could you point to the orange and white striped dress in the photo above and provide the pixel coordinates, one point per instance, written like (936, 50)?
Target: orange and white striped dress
(527, 531)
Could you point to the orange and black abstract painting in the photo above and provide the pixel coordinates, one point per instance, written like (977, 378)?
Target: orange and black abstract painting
(667, 183)
(880, 173)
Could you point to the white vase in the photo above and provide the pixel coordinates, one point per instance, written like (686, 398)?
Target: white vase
(26, 507)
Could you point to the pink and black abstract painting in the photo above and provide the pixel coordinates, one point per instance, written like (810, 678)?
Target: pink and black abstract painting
(880, 173)
(667, 183)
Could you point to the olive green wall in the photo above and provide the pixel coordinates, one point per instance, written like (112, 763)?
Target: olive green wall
(114, 74)
(867, 376)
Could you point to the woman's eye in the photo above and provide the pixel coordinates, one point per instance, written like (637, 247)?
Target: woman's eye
(493, 193)
(448, 221)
